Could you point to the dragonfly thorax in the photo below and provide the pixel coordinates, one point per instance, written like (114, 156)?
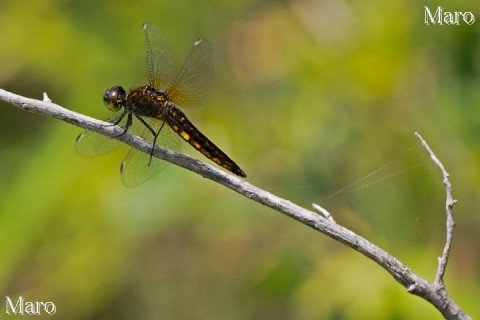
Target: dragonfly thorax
(146, 101)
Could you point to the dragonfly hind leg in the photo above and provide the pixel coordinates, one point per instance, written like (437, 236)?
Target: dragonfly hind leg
(155, 135)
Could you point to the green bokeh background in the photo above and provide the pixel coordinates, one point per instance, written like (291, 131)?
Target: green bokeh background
(316, 100)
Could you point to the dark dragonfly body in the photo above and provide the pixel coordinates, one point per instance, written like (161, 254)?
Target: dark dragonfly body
(146, 101)
(144, 111)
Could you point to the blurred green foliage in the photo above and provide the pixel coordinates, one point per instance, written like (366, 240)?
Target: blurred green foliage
(316, 100)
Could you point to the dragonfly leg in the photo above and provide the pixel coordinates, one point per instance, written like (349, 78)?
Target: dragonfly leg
(145, 124)
(127, 125)
(155, 141)
(117, 120)
(155, 135)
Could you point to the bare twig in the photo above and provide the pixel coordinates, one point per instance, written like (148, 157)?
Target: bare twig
(401, 273)
(450, 202)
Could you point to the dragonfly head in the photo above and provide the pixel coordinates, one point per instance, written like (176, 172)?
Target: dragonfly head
(114, 98)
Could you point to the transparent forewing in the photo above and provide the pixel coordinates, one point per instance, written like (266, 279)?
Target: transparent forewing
(193, 83)
(135, 168)
(92, 144)
(159, 56)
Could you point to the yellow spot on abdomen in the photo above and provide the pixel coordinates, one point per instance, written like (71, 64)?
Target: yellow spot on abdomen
(206, 153)
(185, 136)
(196, 145)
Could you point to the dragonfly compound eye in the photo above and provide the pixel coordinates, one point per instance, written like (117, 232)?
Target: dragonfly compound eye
(114, 98)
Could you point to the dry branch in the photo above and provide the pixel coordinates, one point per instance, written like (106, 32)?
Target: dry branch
(434, 293)
(450, 202)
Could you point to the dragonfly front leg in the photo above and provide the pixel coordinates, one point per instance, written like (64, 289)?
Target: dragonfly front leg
(119, 118)
(127, 125)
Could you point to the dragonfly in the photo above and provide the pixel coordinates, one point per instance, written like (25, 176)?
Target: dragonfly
(153, 111)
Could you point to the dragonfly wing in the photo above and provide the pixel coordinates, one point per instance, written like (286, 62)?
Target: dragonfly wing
(136, 168)
(193, 83)
(92, 144)
(159, 56)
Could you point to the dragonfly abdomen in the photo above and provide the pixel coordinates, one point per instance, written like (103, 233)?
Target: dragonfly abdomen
(177, 120)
